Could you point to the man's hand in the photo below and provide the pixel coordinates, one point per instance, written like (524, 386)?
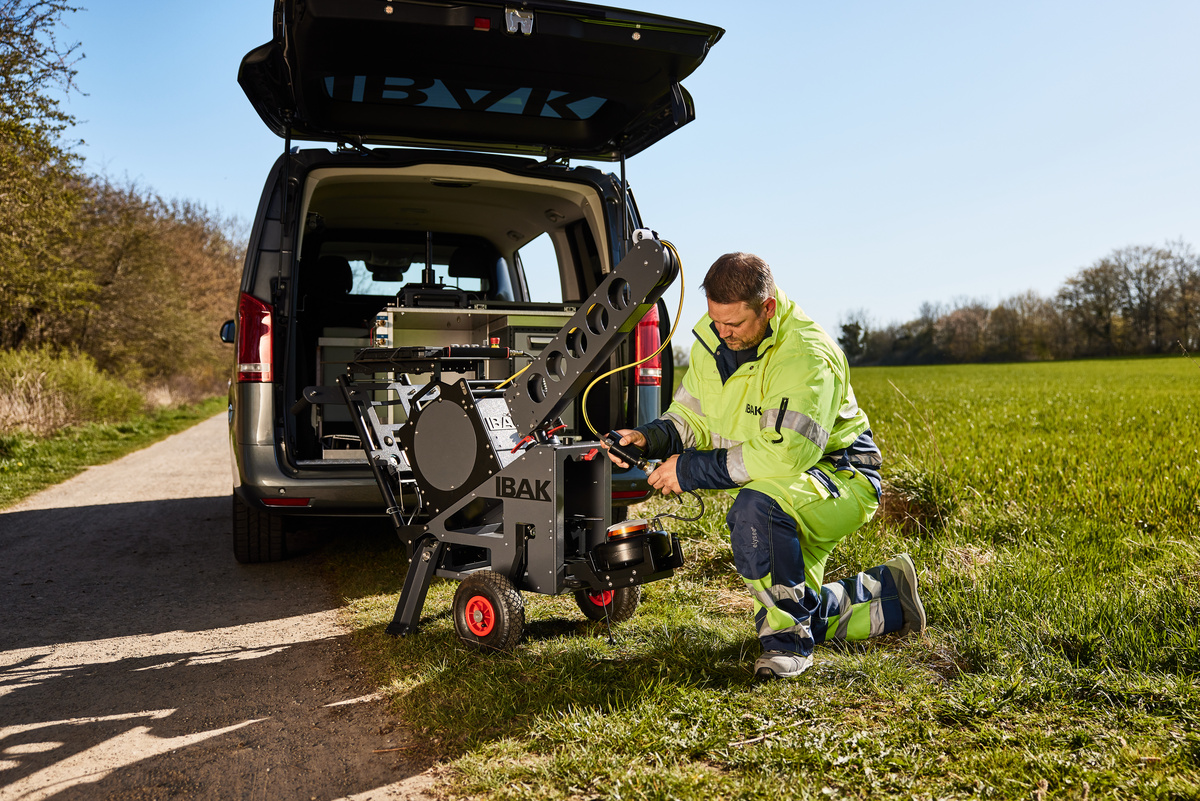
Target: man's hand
(628, 437)
(665, 479)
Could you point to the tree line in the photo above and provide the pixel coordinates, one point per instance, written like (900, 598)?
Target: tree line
(110, 270)
(1137, 300)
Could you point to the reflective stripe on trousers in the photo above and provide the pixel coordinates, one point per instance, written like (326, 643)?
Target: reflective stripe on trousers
(782, 560)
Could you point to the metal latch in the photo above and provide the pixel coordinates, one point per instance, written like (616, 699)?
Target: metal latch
(516, 20)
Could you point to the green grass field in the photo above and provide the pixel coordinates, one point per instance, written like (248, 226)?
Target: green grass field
(1052, 510)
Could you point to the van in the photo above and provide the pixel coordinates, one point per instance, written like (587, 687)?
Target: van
(442, 205)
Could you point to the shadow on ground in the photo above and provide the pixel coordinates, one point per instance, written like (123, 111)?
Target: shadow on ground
(94, 572)
(193, 723)
(139, 659)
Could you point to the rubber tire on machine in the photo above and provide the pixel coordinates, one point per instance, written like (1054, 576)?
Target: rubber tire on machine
(620, 603)
(488, 612)
(257, 535)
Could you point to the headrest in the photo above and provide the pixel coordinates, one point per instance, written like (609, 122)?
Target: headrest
(334, 276)
(476, 260)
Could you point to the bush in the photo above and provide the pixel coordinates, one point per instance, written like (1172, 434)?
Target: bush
(42, 391)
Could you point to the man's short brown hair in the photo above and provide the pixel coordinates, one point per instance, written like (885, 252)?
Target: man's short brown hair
(739, 277)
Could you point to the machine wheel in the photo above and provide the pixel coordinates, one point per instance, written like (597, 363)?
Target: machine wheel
(619, 604)
(257, 536)
(488, 612)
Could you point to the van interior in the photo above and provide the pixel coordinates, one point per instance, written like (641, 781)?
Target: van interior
(456, 254)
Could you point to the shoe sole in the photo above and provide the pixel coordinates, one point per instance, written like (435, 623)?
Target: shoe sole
(766, 674)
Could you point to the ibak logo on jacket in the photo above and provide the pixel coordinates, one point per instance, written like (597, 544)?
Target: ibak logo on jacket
(753, 410)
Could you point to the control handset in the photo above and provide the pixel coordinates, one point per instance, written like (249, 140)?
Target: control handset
(630, 454)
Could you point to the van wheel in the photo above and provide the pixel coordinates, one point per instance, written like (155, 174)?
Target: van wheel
(614, 605)
(257, 536)
(488, 612)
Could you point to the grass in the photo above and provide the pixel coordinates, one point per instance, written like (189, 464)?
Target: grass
(1052, 510)
(29, 463)
(43, 391)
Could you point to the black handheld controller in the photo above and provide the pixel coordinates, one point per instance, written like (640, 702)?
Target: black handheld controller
(629, 454)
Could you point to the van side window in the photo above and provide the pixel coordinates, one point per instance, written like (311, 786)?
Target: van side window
(540, 262)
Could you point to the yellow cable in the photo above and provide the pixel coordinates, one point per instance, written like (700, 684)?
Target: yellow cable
(678, 315)
(514, 375)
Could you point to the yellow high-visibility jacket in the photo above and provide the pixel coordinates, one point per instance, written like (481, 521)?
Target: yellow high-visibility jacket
(775, 417)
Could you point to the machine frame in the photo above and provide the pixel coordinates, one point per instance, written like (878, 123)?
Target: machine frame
(499, 493)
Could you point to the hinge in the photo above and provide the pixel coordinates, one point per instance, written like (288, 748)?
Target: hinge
(516, 20)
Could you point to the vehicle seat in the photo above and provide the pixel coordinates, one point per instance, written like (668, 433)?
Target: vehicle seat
(326, 299)
(334, 276)
(330, 326)
(481, 260)
(326, 284)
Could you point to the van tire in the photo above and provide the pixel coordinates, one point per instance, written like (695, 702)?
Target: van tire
(257, 535)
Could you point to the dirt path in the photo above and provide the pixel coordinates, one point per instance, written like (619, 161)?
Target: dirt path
(139, 660)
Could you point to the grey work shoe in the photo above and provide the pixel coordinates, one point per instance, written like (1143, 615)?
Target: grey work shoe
(780, 665)
(904, 573)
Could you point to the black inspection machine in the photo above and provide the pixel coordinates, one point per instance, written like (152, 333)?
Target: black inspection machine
(506, 506)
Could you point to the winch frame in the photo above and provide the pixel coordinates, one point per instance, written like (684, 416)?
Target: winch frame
(496, 489)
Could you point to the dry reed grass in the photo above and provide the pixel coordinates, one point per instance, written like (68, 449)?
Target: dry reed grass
(42, 392)
(28, 404)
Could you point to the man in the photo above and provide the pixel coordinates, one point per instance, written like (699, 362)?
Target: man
(766, 410)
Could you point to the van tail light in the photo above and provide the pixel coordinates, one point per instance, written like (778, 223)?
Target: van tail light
(646, 341)
(255, 353)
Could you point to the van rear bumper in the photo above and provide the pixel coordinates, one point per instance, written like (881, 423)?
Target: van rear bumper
(259, 481)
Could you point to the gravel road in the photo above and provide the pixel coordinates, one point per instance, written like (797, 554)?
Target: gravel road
(139, 660)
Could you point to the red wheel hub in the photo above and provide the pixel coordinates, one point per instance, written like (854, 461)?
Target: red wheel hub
(481, 616)
(603, 598)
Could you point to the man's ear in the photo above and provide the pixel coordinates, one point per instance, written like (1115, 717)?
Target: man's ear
(769, 306)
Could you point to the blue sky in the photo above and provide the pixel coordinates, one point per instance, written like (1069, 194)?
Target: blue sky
(877, 154)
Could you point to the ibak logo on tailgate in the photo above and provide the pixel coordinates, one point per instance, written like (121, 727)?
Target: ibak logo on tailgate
(509, 487)
(446, 93)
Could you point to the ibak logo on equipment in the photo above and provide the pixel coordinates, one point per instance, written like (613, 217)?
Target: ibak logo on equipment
(501, 430)
(498, 422)
(753, 410)
(509, 487)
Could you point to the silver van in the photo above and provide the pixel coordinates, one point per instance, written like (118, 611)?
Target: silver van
(442, 208)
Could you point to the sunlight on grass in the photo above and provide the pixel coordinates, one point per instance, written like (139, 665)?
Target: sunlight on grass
(1052, 511)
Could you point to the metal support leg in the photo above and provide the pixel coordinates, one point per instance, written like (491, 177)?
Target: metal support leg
(421, 567)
